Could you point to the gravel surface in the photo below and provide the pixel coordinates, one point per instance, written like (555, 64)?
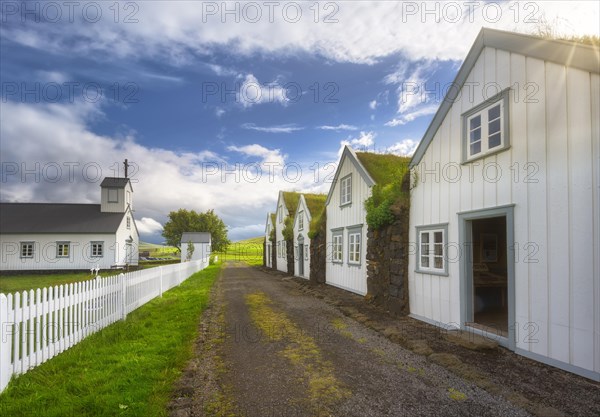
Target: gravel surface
(250, 373)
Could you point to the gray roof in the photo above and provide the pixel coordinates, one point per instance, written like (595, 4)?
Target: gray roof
(56, 218)
(562, 52)
(195, 237)
(114, 182)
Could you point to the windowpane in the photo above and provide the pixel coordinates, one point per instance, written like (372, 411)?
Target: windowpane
(475, 135)
(494, 112)
(438, 249)
(438, 237)
(425, 261)
(425, 237)
(495, 140)
(494, 127)
(438, 262)
(475, 148)
(475, 123)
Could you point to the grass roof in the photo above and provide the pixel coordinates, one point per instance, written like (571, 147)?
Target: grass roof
(291, 200)
(272, 218)
(384, 168)
(315, 203)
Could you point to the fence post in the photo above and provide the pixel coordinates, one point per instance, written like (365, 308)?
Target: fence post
(160, 291)
(5, 344)
(123, 297)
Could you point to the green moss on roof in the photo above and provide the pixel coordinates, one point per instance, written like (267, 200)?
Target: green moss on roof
(315, 203)
(273, 218)
(291, 200)
(384, 168)
(389, 173)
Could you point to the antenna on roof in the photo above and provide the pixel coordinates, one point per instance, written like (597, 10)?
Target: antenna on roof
(126, 165)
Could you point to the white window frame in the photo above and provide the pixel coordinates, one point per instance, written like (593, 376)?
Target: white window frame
(481, 110)
(301, 220)
(279, 249)
(337, 246)
(346, 190)
(94, 246)
(427, 250)
(60, 252)
(128, 222)
(306, 252)
(112, 199)
(354, 246)
(280, 214)
(27, 249)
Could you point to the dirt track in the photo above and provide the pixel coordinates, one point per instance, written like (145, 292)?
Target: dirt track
(270, 346)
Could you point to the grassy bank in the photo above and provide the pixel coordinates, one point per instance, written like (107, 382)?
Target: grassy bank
(14, 283)
(249, 251)
(127, 369)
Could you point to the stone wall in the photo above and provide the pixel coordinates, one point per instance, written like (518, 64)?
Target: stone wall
(318, 257)
(290, 256)
(387, 264)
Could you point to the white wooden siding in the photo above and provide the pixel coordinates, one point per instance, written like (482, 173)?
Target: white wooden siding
(554, 137)
(302, 210)
(121, 205)
(349, 277)
(281, 260)
(268, 228)
(45, 252)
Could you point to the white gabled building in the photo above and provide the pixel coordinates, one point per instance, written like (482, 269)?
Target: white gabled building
(287, 202)
(309, 205)
(505, 212)
(201, 242)
(269, 227)
(61, 236)
(346, 224)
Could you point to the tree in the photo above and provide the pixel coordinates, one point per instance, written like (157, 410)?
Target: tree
(183, 220)
(190, 250)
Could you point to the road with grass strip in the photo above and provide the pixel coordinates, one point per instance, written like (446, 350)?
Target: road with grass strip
(269, 349)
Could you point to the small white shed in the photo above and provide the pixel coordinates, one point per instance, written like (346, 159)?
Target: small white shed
(505, 208)
(202, 247)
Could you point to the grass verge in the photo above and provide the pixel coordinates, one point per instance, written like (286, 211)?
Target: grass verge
(14, 283)
(127, 369)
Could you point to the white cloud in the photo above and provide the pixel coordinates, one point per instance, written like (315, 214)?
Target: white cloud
(405, 147)
(252, 92)
(363, 141)
(164, 180)
(409, 117)
(273, 129)
(180, 31)
(148, 226)
(411, 83)
(219, 111)
(373, 104)
(338, 127)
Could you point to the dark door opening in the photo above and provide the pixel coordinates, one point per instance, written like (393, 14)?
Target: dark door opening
(490, 275)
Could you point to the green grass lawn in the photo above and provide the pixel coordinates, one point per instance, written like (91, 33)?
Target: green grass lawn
(249, 251)
(127, 369)
(159, 251)
(14, 283)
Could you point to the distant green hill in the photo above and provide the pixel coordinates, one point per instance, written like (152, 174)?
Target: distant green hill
(252, 241)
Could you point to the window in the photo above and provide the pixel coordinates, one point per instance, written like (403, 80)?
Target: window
(296, 252)
(128, 222)
(279, 249)
(346, 190)
(97, 249)
(280, 214)
(113, 195)
(301, 220)
(306, 252)
(63, 249)
(338, 247)
(485, 128)
(431, 251)
(26, 249)
(354, 247)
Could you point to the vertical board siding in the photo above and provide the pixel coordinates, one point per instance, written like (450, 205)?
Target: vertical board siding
(304, 233)
(38, 325)
(349, 277)
(551, 174)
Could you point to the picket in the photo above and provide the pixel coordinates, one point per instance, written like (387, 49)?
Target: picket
(39, 324)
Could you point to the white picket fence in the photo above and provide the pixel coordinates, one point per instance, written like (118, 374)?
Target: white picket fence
(39, 324)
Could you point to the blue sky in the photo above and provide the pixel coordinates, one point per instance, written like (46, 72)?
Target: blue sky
(200, 100)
